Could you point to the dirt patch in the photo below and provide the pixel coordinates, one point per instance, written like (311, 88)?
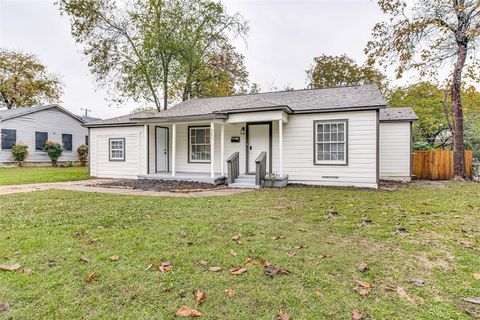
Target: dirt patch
(158, 185)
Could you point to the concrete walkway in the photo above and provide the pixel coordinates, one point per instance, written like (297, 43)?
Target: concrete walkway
(89, 186)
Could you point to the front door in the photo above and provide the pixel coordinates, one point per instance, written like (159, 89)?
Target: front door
(161, 146)
(257, 142)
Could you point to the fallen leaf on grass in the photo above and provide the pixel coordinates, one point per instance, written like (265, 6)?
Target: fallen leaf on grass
(203, 262)
(291, 254)
(418, 282)
(13, 267)
(363, 266)
(4, 306)
(233, 253)
(301, 247)
(85, 259)
(27, 271)
(187, 312)
(363, 288)
(403, 293)
(214, 269)
(363, 284)
(356, 315)
(472, 300)
(365, 222)
(476, 276)
(200, 297)
(278, 237)
(248, 262)
(114, 258)
(237, 238)
(264, 262)
(466, 244)
(163, 267)
(90, 276)
(238, 271)
(272, 271)
(331, 214)
(400, 231)
(229, 293)
(283, 315)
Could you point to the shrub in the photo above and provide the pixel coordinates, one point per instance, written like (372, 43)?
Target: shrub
(70, 164)
(83, 154)
(19, 153)
(54, 150)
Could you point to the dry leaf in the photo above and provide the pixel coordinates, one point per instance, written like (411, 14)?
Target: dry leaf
(363, 284)
(187, 312)
(238, 271)
(476, 276)
(248, 262)
(291, 254)
(203, 262)
(278, 237)
(233, 253)
(301, 247)
(164, 269)
(214, 269)
(403, 293)
(272, 271)
(27, 271)
(264, 262)
(84, 259)
(356, 315)
(13, 267)
(466, 244)
(363, 288)
(114, 258)
(418, 282)
(237, 238)
(200, 297)
(283, 315)
(90, 276)
(229, 292)
(363, 266)
(362, 291)
(4, 306)
(472, 300)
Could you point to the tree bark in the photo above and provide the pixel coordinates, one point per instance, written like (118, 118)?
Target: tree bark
(457, 132)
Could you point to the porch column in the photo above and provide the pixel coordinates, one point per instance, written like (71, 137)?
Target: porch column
(280, 146)
(174, 147)
(212, 149)
(222, 149)
(147, 148)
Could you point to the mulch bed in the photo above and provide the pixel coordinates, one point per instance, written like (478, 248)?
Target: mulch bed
(159, 185)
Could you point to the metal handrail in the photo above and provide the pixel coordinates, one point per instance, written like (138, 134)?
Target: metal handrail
(233, 167)
(261, 168)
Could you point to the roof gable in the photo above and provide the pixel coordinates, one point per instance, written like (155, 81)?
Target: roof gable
(18, 112)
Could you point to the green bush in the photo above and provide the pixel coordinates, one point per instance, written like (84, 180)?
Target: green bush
(83, 154)
(19, 153)
(54, 150)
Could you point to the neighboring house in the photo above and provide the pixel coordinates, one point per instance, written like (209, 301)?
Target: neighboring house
(339, 136)
(35, 125)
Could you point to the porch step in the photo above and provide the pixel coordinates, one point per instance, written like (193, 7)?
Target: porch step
(244, 182)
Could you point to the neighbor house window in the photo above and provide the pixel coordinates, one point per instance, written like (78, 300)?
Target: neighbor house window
(331, 142)
(117, 149)
(8, 138)
(40, 139)
(67, 142)
(199, 144)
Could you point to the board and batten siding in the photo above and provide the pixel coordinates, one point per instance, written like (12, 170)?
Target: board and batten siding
(395, 151)
(53, 121)
(135, 153)
(298, 148)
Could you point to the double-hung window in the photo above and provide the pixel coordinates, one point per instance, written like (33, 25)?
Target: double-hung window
(67, 142)
(8, 138)
(117, 149)
(40, 139)
(331, 139)
(199, 144)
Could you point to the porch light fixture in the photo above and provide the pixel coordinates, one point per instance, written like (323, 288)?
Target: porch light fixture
(242, 131)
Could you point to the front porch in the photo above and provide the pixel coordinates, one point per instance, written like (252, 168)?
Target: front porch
(218, 151)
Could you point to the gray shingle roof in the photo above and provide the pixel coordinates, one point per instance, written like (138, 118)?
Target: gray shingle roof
(297, 101)
(17, 112)
(398, 114)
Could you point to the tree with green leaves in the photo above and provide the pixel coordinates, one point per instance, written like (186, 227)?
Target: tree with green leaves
(25, 82)
(142, 50)
(332, 71)
(427, 35)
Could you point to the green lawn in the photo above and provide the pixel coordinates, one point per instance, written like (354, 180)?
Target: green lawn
(50, 231)
(11, 176)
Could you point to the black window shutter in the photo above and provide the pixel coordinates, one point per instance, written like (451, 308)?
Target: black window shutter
(67, 142)
(40, 139)
(86, 140)
(9, 138)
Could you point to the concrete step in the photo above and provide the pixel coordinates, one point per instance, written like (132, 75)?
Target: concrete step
(243, 185)
(245, 180)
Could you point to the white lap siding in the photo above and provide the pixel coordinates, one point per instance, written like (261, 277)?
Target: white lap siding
(298, 148)
(135, 162)
(395, 150)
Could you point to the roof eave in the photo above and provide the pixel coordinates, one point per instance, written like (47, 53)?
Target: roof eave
(210, 116)
(284, 108)
(362, 108)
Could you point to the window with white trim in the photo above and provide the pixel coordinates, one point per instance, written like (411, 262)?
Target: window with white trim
(331, 142)
(199, 144)
(117, 149)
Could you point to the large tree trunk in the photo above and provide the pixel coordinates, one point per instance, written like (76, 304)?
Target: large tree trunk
(457, 132)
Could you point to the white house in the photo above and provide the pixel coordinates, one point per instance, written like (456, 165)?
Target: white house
(339, 136)
(35, 125)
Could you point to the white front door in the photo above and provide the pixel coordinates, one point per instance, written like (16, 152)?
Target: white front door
(258, 141)
(161, 145)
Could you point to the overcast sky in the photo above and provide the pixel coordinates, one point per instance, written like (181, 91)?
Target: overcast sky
(284, 37)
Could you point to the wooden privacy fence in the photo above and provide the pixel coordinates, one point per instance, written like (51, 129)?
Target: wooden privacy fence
(437, 164)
